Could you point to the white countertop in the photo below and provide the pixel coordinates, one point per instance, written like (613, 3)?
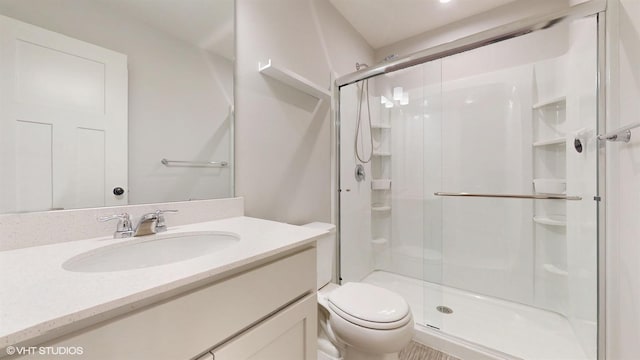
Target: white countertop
(38, 296)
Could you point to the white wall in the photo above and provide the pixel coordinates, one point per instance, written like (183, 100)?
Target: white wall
(623, 183)
(179, 97)
(282, 147)
(505, 14)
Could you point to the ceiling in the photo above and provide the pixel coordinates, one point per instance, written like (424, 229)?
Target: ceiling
(208, 24)
(384, 22)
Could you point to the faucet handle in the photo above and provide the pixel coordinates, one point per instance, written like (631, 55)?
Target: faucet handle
(123, 216)
(124, 228)
(160, 225)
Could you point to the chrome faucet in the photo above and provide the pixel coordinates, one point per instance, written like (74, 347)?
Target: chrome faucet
(146, 225)
(150, 223)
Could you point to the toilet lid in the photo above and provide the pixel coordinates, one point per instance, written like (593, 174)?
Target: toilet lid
(369, 306)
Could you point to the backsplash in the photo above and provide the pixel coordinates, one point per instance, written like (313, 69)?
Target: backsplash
(42, 228)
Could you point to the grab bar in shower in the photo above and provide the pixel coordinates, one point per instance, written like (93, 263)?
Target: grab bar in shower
(166, 162)
(511, 196)
(622, 134)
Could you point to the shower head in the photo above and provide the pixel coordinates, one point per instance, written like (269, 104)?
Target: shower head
(389, 57)
(361, 65)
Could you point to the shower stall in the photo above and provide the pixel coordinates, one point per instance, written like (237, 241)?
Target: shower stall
(480, 201)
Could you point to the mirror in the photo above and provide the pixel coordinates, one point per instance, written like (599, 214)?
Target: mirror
(95, 94)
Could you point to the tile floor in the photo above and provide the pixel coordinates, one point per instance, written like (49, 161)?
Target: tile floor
(415, 351)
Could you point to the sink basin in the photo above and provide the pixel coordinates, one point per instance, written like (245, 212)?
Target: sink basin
(157, 250)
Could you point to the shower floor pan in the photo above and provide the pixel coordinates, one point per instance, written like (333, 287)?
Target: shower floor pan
(521, 331)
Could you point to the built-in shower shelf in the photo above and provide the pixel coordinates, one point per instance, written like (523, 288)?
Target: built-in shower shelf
(560, 100)
(381, 184)
(380, 126)
(551, 220)
(555, 141)
(381, 153)
(294, 80)
(379, 243)
(380, 208)
(552, 269)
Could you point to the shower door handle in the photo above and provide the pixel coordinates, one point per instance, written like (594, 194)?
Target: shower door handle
(510, 196)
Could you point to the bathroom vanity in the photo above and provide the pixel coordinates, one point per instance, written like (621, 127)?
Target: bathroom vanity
(252, 298)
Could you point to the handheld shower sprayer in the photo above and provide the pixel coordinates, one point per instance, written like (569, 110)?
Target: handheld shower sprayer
(364, 95)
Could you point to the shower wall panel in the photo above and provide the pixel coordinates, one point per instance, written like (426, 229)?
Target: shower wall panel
(487, 243)
(355, 197)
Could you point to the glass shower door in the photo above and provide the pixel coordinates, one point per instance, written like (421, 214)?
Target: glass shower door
(519, 118)
(383, 206)
(467, 186)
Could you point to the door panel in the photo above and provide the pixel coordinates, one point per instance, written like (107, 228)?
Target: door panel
(33, 142)
(49, 77)
(63, 121)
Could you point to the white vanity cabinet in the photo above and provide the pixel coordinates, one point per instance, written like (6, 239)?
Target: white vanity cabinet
(288, 335)
(266, 311)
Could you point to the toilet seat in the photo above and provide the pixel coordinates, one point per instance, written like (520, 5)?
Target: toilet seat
(369, 306)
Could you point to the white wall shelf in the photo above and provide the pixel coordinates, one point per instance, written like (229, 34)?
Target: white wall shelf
(380, 126)
(548, 102)
(380, 153)
(556, 141)
(293, 79)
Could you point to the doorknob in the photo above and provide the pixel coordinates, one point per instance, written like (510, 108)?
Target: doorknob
(118, 191)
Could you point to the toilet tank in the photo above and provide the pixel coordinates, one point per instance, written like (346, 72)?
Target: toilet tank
(326, 248)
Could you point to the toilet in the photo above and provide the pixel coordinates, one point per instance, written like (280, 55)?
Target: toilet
(357, 321)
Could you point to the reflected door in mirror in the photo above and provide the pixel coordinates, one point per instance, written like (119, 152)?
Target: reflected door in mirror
(63, 125)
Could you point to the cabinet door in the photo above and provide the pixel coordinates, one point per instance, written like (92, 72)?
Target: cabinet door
(288, 335)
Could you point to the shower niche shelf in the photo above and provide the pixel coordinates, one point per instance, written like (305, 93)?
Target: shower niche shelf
(555, 141)
(551, 220)
(550, 186)
(294, 80)
(557, 101)
(381, 154)
(549, 151)
(379, 244)
(380, 208)
(552, 269)
(381, 184)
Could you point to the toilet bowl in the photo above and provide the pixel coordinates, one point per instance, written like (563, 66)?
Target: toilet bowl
(357, 321)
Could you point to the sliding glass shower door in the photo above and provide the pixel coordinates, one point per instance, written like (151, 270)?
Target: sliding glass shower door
(468, 185)
(384, 166)
(518, 180)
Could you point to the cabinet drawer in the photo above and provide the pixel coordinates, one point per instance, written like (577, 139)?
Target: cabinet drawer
(189, 324)
(288, 335)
